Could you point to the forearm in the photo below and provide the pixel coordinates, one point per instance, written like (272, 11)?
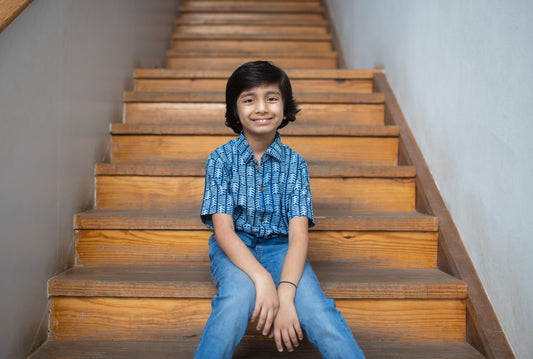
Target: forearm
(294, 263)
(237, 252)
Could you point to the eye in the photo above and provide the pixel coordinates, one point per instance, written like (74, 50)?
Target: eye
(273, 99)
(247, 100)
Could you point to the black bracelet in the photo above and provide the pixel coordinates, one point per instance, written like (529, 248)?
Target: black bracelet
(286, 281)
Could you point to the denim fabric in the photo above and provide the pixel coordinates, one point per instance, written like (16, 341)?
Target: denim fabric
(234, 303)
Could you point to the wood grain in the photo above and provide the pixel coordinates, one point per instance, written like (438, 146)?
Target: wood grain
(360, 151)
(249, 29)
(181, 248)
(248, 348)
(251, 46)
(319, 85)
(327, 219)
(234, 62)
(201, 113)
(166, 319)
(10, 9)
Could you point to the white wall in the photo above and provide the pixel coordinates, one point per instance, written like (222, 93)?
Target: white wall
(64, 65)
(463, 74)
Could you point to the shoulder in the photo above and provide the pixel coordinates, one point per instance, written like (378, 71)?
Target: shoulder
(224, 152)
(292, 157)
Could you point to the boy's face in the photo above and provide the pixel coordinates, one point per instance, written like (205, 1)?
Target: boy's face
(260, 110)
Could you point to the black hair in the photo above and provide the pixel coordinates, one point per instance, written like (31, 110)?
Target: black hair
(253, 74)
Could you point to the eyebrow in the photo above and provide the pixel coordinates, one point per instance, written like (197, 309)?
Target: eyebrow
(253, 93)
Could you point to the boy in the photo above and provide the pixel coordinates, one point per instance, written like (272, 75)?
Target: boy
(257, 200)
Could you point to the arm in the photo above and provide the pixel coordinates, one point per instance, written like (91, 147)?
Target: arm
(286, 325)
(266, 298)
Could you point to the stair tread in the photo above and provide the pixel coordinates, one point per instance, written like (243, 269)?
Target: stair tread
(196, 168)
(258, 54)
(224, 74)
(248, 348)
(195, 282)
(219, 97)
(218, 128)
(251, 18)
(253, 36)
(188, 218)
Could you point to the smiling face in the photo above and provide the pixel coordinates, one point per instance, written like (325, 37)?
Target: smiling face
(260, 110)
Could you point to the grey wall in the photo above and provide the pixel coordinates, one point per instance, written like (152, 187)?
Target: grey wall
(463, 74)
(64, 65)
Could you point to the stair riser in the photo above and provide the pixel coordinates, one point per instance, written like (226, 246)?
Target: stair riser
(180, 248)
(262, 30)
(218, 85)
(352, 151)
(232, 63)
(208, 113)
(363, 194)
(250, 46)
(258, 7)
(166, 319)
(232, 18)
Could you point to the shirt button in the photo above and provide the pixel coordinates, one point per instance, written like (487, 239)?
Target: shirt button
(261, 219)
(261, 189)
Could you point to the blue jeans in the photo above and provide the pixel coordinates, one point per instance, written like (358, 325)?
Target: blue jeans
(232, 307)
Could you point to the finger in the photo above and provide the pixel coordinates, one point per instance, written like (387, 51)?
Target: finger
(293, 337)
(262, 319)
(256, 312)
(287, 340)
(268, 322)
(277, 339)
(299, 331)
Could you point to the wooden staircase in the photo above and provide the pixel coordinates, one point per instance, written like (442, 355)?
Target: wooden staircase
(141, 286)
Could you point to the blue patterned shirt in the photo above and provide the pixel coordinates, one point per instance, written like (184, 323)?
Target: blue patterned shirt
(262, 201)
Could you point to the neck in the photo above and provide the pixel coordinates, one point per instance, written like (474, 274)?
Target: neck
(259, 144)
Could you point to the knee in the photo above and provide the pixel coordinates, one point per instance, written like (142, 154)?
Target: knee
(236, 298)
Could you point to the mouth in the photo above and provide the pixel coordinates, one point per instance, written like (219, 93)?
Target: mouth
(261, 120)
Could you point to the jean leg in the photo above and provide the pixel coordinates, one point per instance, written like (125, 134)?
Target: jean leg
(231, 308)
(322, 321)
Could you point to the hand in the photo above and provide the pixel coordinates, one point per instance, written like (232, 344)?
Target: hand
(287, 330)
(266, 304)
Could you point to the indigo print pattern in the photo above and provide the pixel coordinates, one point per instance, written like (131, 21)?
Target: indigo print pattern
(262, 201)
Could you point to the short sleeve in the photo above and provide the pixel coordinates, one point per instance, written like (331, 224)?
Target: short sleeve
(217, 196)
(300, 200)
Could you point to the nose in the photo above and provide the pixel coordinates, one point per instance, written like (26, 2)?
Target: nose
(260, 106)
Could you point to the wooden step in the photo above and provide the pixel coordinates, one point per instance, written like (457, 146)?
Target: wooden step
(360, 151)
(150, 192)
(363, 114)
(195, 282)
(175, 80)
(213, 62)
(252, 45)
(243, 6)
(257, 37)
(185, 247)
(219, 97)
(214, 18)
(249, 54)
(197, 168)
(218, 129)
(119, 303)
(182, 348)
(249, 30)
(327, 219)
(74, 318)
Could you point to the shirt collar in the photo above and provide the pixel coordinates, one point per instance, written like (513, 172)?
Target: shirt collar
(275, 150)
